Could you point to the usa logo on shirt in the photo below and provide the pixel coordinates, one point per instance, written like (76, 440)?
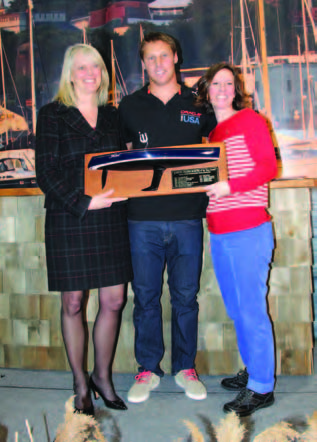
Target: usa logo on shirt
(190, 117)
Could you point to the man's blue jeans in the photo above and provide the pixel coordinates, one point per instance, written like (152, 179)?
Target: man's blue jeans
(241, 261)
(178, 245)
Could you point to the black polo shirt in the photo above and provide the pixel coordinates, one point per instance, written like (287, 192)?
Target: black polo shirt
(147, 122)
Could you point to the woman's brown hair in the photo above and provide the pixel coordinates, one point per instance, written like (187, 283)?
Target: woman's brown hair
(241, 99)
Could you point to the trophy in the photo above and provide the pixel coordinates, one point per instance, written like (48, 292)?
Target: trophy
(156, 171)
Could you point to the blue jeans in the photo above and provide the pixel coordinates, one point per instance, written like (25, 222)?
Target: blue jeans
(177, 244)
(241, 261)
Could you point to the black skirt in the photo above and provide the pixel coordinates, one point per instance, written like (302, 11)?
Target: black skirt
(87, 253)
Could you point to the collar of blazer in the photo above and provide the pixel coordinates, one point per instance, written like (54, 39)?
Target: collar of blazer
(73, 117)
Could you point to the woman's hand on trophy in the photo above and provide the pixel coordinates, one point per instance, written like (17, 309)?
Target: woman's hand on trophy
(218, 190)
(103, 200)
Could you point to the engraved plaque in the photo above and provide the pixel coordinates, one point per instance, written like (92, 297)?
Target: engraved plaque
(184, 179)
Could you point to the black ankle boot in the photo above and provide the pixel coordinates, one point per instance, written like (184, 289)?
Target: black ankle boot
(248, 401)
(236, 383)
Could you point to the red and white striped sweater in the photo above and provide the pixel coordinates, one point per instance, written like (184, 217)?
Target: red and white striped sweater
(251, 165)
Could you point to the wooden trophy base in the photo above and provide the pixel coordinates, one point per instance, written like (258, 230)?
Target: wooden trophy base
(156, 171)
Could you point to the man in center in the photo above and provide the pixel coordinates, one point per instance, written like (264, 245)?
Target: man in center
(165, 230)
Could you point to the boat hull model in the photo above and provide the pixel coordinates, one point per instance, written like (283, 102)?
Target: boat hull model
(156, 171)
(17, 169)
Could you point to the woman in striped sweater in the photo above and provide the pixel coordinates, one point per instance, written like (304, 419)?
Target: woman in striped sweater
(241, 235)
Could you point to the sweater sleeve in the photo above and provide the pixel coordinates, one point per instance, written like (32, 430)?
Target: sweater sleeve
(261, 149)
(49, 175)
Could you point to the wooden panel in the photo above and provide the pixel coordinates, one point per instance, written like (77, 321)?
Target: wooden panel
(230, 338)
(211, 308)
(8, 206)
(25, 307)
(7, 229)
(296, 252)
(30, 334)
(40, 228)
(211, 336)
(291, 281)
(290, 199)
(4, 306)
(2, 356)
(14, 281)
(50, 307)
(218, 362)
(39, 333)
(295, 362)
(36, 281)
(6, 331)
(292, 224)
(32, 256)
(35, 358)
(290, 336)
(125, 361)
(291, 309)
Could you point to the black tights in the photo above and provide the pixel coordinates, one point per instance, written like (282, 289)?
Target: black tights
(105, 335)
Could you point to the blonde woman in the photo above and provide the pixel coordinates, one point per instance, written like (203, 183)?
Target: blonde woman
(86, 238)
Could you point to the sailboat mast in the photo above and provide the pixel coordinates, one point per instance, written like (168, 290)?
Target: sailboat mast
(243, 42)
(231, 35)
(266, 82)
(30, 4)
(113, 78)
(301, 86)
(141, 38)
(3, 82)
(311, 113)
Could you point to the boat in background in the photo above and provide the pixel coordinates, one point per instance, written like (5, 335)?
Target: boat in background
(17, 165)
(17, 169)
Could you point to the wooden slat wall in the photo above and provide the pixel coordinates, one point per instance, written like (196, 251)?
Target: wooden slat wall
(291, 280)
(314, 228)
(30, 334)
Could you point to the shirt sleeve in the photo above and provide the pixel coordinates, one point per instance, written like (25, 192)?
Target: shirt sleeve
(49, 174)
(261, 149)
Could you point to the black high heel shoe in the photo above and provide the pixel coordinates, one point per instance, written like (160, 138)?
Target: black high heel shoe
(89, 411)
(118, 404)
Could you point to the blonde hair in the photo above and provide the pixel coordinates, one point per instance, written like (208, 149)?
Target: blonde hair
(66, 93)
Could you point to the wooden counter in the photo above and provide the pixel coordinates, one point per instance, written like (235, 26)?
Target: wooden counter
(30, 335)
(293, 183)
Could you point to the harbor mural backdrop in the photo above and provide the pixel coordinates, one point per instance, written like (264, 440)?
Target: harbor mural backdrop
(273, 41)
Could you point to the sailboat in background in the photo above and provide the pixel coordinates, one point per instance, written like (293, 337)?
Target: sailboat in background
(299, 148)
(118, 86)
(17, 166)
(265, 82)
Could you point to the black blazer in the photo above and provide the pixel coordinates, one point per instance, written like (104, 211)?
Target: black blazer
(63, 137)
